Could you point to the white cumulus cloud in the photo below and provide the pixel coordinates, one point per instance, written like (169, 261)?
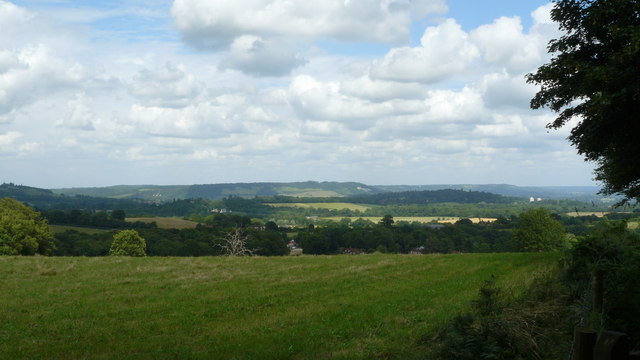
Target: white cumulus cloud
(444, 50)
(215, 23)
(262, 57)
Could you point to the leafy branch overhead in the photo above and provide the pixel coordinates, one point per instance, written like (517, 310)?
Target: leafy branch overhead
(593, 78)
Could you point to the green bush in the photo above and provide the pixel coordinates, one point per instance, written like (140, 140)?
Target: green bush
(533, 326)
(128, 243)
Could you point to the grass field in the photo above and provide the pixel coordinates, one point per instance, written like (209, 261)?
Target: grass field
(166, 222)
(324, 205)
(305, 307)
(87, 230)
(420, 219)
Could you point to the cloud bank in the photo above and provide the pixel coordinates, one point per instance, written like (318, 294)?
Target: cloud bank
(249, 90)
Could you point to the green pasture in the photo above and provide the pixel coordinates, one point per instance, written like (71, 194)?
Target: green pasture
(86, 230)
(166, 222)
(326, 307)
(324, 205)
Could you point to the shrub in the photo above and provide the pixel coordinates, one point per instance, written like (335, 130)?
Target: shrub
(533, 326)
(614, 251)
(128, 243)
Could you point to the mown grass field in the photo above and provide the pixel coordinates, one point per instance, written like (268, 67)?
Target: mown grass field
(325, 307)
(410, 219)
(166, 222)
(324, 205)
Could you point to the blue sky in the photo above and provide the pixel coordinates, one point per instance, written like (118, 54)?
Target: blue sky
(194, 91)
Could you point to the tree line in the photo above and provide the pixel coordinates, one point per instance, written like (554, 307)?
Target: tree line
(533, 230)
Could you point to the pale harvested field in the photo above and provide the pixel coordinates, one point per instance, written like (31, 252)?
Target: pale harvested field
(587, 213)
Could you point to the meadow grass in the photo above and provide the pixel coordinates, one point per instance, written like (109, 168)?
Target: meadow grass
(307, 307)
(166, 222)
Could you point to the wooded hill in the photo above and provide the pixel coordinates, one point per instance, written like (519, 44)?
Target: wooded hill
(422, 197)
(160, 193)
(405, 203)
(314, 189)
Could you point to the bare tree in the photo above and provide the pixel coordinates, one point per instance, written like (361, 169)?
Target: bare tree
(234, 243)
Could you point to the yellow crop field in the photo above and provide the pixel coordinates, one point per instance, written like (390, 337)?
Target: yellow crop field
(587, 213)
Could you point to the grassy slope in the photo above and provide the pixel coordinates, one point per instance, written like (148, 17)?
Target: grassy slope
(362, 307)
(166, 222)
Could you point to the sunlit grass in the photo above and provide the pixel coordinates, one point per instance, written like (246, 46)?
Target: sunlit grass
(356, 307)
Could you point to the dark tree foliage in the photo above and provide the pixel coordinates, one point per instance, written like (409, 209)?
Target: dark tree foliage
(593, 78)
(23, 231)
(405, 238)
(614, 250)
(246, 206)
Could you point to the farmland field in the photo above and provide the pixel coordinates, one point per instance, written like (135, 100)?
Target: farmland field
(166, 222)
(306, 307)
(324, 205)
(86, 230)
(587, 213)
(420, 219)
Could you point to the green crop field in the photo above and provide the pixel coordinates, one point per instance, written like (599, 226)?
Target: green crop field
(166, 222)
(324, 205)
(305, 307)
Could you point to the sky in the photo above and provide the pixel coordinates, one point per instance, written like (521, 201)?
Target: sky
(416, 92)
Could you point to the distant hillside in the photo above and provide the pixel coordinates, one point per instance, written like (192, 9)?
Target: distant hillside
(46, 199)
(218, 191)
(583, 193)
(432, 197)
(313, 189)
(24, 193)
(157, 193)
